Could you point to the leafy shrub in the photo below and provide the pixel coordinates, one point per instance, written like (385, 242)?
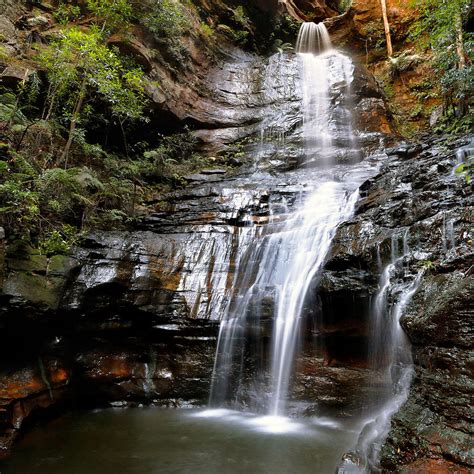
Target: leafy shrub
(165, 19)
(58, 242)
(206, 30)
(467, 169)
(65, 12)
(10, 111)
(19, 199)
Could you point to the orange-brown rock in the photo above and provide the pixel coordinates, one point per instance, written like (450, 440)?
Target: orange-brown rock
(435, 466)
(308, 10)
(27, 391)
(361, 29)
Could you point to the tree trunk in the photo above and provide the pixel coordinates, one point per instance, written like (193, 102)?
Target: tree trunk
(125, 144)
(460, 42)
(386, 25)
(462, 107)
(74, 119)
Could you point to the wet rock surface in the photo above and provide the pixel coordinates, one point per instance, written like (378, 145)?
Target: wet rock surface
(131, 317)
(418, 196)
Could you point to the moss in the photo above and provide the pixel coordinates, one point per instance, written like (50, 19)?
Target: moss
(238, 36)
(34, 264)
(60, 265)
(34, 288)
(418, 111)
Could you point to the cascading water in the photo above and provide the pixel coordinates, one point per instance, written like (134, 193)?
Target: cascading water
(321, 128)
(390, 353)
(287, 255)
(318, 220)
(265, 274)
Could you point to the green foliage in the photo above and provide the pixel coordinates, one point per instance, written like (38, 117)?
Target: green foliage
(283, 34)
(19, 199)
(68, 193)
(281, 47)
(467, 169)
(4, 57)
(427, 264)
(81, 67)
(240, 36)
(51, 205)
(9, 111)
(240, 16)
(172, 158)
(165, 19)
(343, 5)
(207, 30)
(240, 20)
(425, 89)
(80, 62)
(452, 124)
(58, 242)
(237, 36)
(66, 12)
(111, 14)
(417, 111)
(458, 83)
(440, 29)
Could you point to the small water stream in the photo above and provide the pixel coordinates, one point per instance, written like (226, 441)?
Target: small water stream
(390, 354)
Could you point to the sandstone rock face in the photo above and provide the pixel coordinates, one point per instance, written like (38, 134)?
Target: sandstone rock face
(436, 423)
(13, 9)
(27, 390)
(361, 27)
(406, 76)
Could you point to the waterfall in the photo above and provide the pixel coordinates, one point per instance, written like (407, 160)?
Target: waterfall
(313, 38)
(390, 353)
(323, 212)
(449, 241)
(324, 133)
(258, 337)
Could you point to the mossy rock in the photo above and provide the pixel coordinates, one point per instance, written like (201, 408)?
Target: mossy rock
(60, 265)
(34, 288)
(34, 264)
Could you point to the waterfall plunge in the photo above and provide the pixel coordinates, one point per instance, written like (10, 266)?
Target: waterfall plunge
(282, 261)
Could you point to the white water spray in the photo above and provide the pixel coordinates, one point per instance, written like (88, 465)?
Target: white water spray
(285, 259)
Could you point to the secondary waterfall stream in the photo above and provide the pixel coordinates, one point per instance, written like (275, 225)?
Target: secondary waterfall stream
(389, 353)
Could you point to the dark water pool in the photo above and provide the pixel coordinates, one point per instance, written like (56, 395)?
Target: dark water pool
(152, 440)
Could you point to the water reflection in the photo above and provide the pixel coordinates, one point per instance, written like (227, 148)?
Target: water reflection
(152, 440)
